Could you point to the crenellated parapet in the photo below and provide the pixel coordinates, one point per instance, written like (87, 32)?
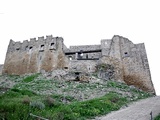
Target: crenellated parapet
(49, 42)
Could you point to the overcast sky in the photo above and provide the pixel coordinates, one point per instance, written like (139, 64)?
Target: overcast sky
(84, 22)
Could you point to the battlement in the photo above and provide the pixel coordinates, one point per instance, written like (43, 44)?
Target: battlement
(33, 43)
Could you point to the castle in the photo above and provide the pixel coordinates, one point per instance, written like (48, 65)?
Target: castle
(50, 53)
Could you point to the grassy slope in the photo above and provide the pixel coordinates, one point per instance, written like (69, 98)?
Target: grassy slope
(61, 100)
(157, 118)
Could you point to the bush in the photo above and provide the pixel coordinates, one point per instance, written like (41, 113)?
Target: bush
(157, 118)
(26, 100)
(37, 104)
(50, 101)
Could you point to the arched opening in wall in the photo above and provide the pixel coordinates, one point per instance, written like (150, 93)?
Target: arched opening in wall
(52, 46)
(81, 53)
(26, 48)
(66, 68)
(86, 56)
(30, 49)
(126, 54)
(41, 48)
(70, 58)
(17, 49)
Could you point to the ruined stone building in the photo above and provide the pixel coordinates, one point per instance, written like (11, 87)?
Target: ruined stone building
(129, 60)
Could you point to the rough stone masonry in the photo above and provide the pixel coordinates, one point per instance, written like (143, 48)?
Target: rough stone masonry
(48, 54)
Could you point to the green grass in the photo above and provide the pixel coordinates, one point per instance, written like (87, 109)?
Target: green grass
(12, 107)
(26, 97)
(30, 78)
(157, 118)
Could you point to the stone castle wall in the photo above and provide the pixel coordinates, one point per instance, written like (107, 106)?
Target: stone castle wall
(129, 60)
(34, 55)
(1, 68)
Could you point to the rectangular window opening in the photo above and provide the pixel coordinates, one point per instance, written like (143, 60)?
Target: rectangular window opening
(26, 48)
(65, 67)
(52, 44)
(30, 48)
(42, 46)
(17, 49)
(126, 53)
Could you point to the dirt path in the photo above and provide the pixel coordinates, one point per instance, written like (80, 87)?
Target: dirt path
(137, 111)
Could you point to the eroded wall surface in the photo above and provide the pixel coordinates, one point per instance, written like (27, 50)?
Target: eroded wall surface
(129, 59)
(34, 55)
(1, 68)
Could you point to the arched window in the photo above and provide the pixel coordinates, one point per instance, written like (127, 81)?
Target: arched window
(70, 58)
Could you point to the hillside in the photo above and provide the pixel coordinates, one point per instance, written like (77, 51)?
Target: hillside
(29, 96)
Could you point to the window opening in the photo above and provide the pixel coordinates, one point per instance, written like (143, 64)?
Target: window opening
(81, 54)
(125, 53)
(42, 46)
(52, 44)
(87, 56)
(70, 58)
(65, 67)
(30, 48)
(26, 48)
(17, 49)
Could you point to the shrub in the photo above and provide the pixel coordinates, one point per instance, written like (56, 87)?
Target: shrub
(157, 118)
(37, 104)
(50, 101)
(26, 100)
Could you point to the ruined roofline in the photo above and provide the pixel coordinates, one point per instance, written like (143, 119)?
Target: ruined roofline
(121, 37)
(42, 38)
(72, 46)
(49, 37)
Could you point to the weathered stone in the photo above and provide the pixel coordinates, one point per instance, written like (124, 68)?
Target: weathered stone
(129, 60)
(1, 68)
